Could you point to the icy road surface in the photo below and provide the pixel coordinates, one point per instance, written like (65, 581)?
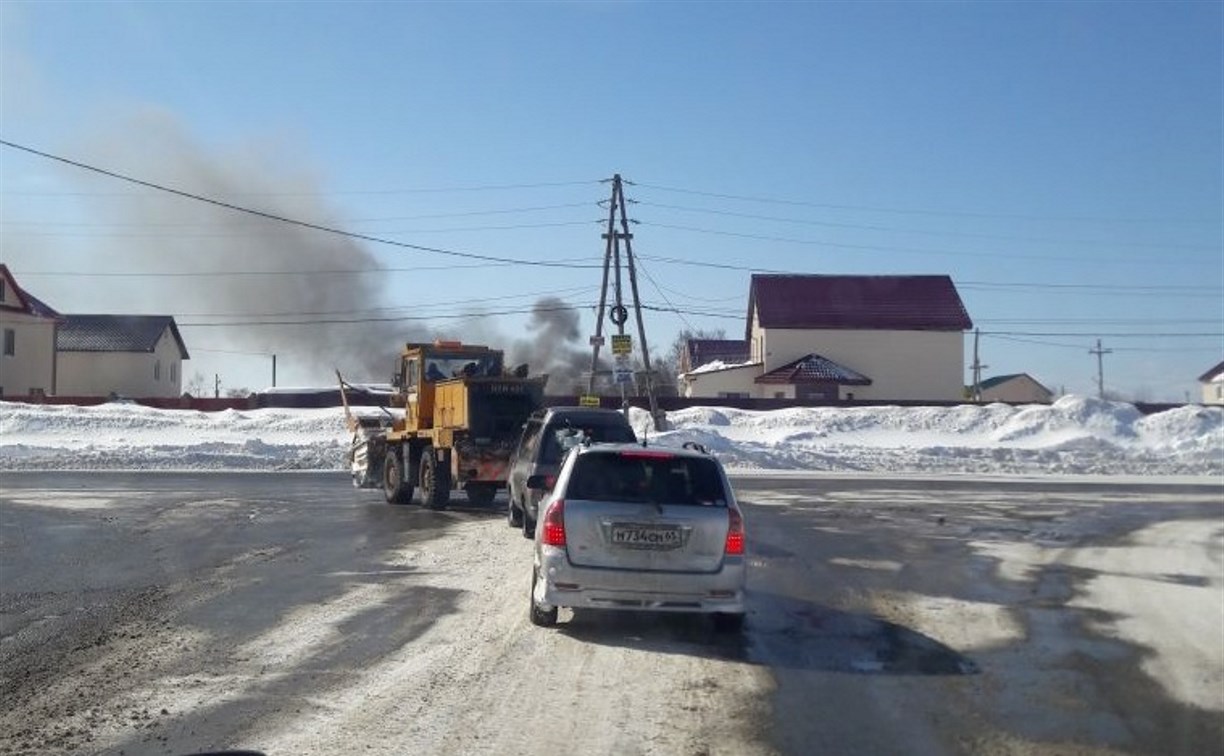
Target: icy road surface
(171, 613)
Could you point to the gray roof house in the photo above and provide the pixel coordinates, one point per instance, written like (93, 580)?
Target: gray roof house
(128, 355)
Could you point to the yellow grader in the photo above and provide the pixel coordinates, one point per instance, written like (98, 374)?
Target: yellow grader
(455, 418)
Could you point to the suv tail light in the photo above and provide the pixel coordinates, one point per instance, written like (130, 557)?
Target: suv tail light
(554, 524)
(735, 533)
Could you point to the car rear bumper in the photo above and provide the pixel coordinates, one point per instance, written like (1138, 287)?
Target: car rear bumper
(564, 584)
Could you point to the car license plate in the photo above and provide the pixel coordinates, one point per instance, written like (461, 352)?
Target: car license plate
(646, 536)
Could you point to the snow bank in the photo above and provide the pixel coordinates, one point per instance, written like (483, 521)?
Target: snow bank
(1075, 435)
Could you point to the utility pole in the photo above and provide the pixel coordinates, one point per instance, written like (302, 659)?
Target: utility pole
(978, 367)
(1100, 355)
(274, 371)
(618, 313)
(216, 385)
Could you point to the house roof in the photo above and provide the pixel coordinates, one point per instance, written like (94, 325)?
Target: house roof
(23, 301)
(814, 369)
(704, 351)
(115, 333)
(892, 303)
(999, 380)
(1213, 373)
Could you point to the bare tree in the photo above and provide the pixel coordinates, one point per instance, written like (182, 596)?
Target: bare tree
(195, 386)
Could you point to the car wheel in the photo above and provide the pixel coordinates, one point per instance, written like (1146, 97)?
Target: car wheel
(514, 515)
(540, 617)
(435, 481)
(480, 494)
(396, 488)
(529, 525)
(728, 623)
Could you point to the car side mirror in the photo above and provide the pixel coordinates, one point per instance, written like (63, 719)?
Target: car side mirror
(540, 482)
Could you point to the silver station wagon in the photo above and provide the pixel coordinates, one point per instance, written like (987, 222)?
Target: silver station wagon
(648, 529)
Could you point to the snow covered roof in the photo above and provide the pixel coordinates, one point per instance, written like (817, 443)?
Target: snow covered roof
(704, 351)
(16, 299)
(895, 303)
(718, 366)
(815, 369)
(115, 333)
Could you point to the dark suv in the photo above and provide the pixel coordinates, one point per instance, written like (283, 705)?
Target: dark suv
(547, 435)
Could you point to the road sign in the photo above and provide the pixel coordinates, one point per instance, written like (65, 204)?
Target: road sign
(588, 400)
(622, 344)
(597, 341)
(623, 375)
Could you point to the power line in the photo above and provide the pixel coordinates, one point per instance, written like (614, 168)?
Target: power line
(395, 319)
(257, 231)
(901, 211)
(663, 296)
(1101, 334)
(279, 218)
(894, 229)
(909, 250)
(330, 272)
(368, 192)
(425, 216)
(417, 307)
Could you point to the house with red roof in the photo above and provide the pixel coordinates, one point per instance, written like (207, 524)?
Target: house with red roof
(27, 341)
(844, 337)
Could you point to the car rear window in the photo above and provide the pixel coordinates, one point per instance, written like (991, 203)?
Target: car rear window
(560, 439)
(647, 477)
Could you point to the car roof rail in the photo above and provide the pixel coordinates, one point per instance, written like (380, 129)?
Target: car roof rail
(695, 447)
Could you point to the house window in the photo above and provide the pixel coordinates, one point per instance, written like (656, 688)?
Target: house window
(10, 341)
(2, 285)
(779, 395)
(732, 394)
(157, 370)
(173, 372)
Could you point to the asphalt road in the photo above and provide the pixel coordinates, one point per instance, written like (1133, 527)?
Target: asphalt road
(172, 613)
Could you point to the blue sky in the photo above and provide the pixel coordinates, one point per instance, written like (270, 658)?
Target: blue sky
(1061, 161)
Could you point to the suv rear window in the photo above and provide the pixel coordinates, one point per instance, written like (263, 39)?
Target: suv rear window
(559, 439)
(647, 477)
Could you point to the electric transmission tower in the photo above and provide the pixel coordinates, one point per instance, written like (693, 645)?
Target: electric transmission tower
(618, 313)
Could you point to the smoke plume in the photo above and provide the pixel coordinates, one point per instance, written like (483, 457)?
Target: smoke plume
(555, 346)
(296, 276)
(235, 281)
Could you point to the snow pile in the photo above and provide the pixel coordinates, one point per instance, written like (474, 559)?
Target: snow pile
(130, 436)
(1075, 435)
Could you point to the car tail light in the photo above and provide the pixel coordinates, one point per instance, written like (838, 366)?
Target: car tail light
(554, 524)
(735, 533)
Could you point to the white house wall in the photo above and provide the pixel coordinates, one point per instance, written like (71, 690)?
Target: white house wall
(124, 373)
(902, 365)
(1213, 392)
(723, 382)
(31, 367)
